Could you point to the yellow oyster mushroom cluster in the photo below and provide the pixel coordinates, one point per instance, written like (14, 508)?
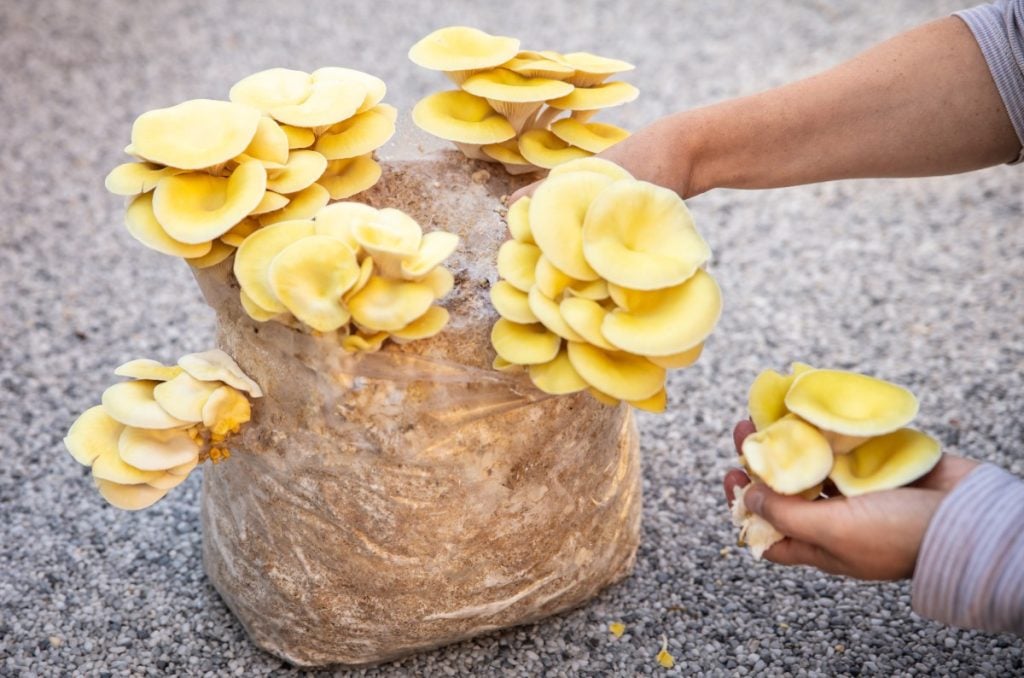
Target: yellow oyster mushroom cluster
(150, 432)
(370, 274)
(209, 173)
(602, 286)
(509, 102)
(818, 425)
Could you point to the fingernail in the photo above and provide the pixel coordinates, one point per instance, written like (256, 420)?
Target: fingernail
(754, 499)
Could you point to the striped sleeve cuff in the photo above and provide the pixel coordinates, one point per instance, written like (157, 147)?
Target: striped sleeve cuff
(970, 570)
(999, 30)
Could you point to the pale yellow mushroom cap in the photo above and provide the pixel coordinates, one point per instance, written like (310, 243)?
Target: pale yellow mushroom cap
(514, 96)
(590, 136)
(365, 272)
(329, 102)
(440, 281)
(766, 400)
(242, 230)
(522, 344)
(254, 310)
(253, 258)
(517, 263)
(591, 69)
(144, 368)
(667, 321)
(886, 462)
(298, 137)
(512, 303)
(133, 178)
(789, 456)
(641, 236)
(389, 236)
(271, 202)
(596, 290)
(132, 404)
(302, 205)
(337, 220)
(219, 251)
(194, 134)
(387, 305)
(110, 466)
(374, 86)
(310, 276)
(129, 497)
(183, 397)
(656, 403)
(272, 88)
(585, 316)
(168, 481)
(542, 148)
(620, 375)
(503, 365)
(216, 365)
(144, 227)
(595, 165)
(459, 48)
(302, 169)
(368, 343)
(849, 403)
(678, 360)
(557, 211)
(427, 325)
(197, 207)
(557, 377)
(507, 153)
(358, 135)
(595, 98)
(270, 143)
(435, 247)
(548, 313)
(549, 280)
(93, 432)
(345, 178)
(225, 411)
(459, 116)
(519, 221)
(150, 450)
(603, 398)
(533, 65)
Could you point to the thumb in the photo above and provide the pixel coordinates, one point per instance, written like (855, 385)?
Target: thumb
(809, 521)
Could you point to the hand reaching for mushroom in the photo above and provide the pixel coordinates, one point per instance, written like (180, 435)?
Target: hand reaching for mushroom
(871, 536)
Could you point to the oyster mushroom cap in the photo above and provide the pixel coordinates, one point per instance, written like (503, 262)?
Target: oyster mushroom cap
(142, 224)
(389, 236)
(548, 312)
(542, 148)
(310, 276)
(150, 450)
(361, 134)
(387, 305)
(302, 169)
(272, 88)
(144, 368)
(252, 260)
(512, 303)
(133, 178)
(225, 411)
(584, 317)
(298, 137)
(129, 497)
(197, 207)
(789, 456)
(507, 153)
(591, 164)
(254, 310)
(460, 48)
(517, 263)
(597, 97)
(524, 344)
(656, 403)
(536, 65)
(641, 236)
(183, 396)
(329, 102)
(590, 136)
(132, 404)
(194, 134)
(345, 178)
(302, 205)
(270, 143)
(557, 377)
(93, 432)
(440, 281)
(365, 272)
(242, 230)
(678, 360)
(766, 400)
(271, 202)
(168, 481)
(427, 325)
(459, 116)
(616, 373)
(435, 247)
(603, 398)
(375, 87)
(850, 404)
(216, 365)
(519, 221)
(668, 321)
(556, 214)
(219, 251)
(110, 466)
(591, 69)
(364, 342)
(885, 462)
(514, 96)
(549, 280)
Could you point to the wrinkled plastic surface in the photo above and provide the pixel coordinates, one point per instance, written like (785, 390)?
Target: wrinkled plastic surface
(379, 504)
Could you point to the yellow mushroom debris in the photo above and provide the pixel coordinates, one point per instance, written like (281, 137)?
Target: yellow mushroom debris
(608, 271)
(211, 172)
(150, 432)
(508, 100)
(817, 424)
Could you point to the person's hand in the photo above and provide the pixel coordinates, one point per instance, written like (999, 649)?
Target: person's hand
(871, 536)
(656, 153)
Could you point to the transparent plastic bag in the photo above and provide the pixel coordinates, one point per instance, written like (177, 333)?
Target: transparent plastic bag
(382, 503)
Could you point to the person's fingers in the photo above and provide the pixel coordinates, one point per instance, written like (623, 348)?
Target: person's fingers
(733, 479)
(524, 192)
(810, 521)
(740, 432)
(795, 552)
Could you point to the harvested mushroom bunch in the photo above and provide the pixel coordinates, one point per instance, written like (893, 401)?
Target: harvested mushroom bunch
(602, 286)
(149, 433)
(368, 274)
(509, 102)
(209, 173)
(828, 426)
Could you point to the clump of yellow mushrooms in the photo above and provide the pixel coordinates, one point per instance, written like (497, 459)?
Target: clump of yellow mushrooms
(208, 173)
(148, 433)
(368, 274)
(602, 286)
(816, 425)
(526, 110)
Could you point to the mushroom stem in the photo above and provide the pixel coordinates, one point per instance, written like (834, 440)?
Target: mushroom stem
(472, 151)
(546, 117)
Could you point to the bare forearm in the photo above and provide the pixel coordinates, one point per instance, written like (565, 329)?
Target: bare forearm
(922, 103)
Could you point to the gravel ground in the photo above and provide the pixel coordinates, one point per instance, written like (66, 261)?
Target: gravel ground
(915, 281)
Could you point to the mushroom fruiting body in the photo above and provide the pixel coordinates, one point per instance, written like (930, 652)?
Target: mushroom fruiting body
(460, 51)
(885, 462)
(790, 456)
(195, 134)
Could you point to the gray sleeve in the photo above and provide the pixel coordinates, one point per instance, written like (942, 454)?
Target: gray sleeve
(999, 30)
(970, 570)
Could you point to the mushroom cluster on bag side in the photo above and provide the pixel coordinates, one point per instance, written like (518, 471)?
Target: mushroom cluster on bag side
(368, 274)
(816, 426)
(508, 104)
(148, 434)
(602, 286)
(209, 173)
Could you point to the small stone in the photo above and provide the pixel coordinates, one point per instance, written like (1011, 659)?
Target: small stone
(481, 176)
(56, 641)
